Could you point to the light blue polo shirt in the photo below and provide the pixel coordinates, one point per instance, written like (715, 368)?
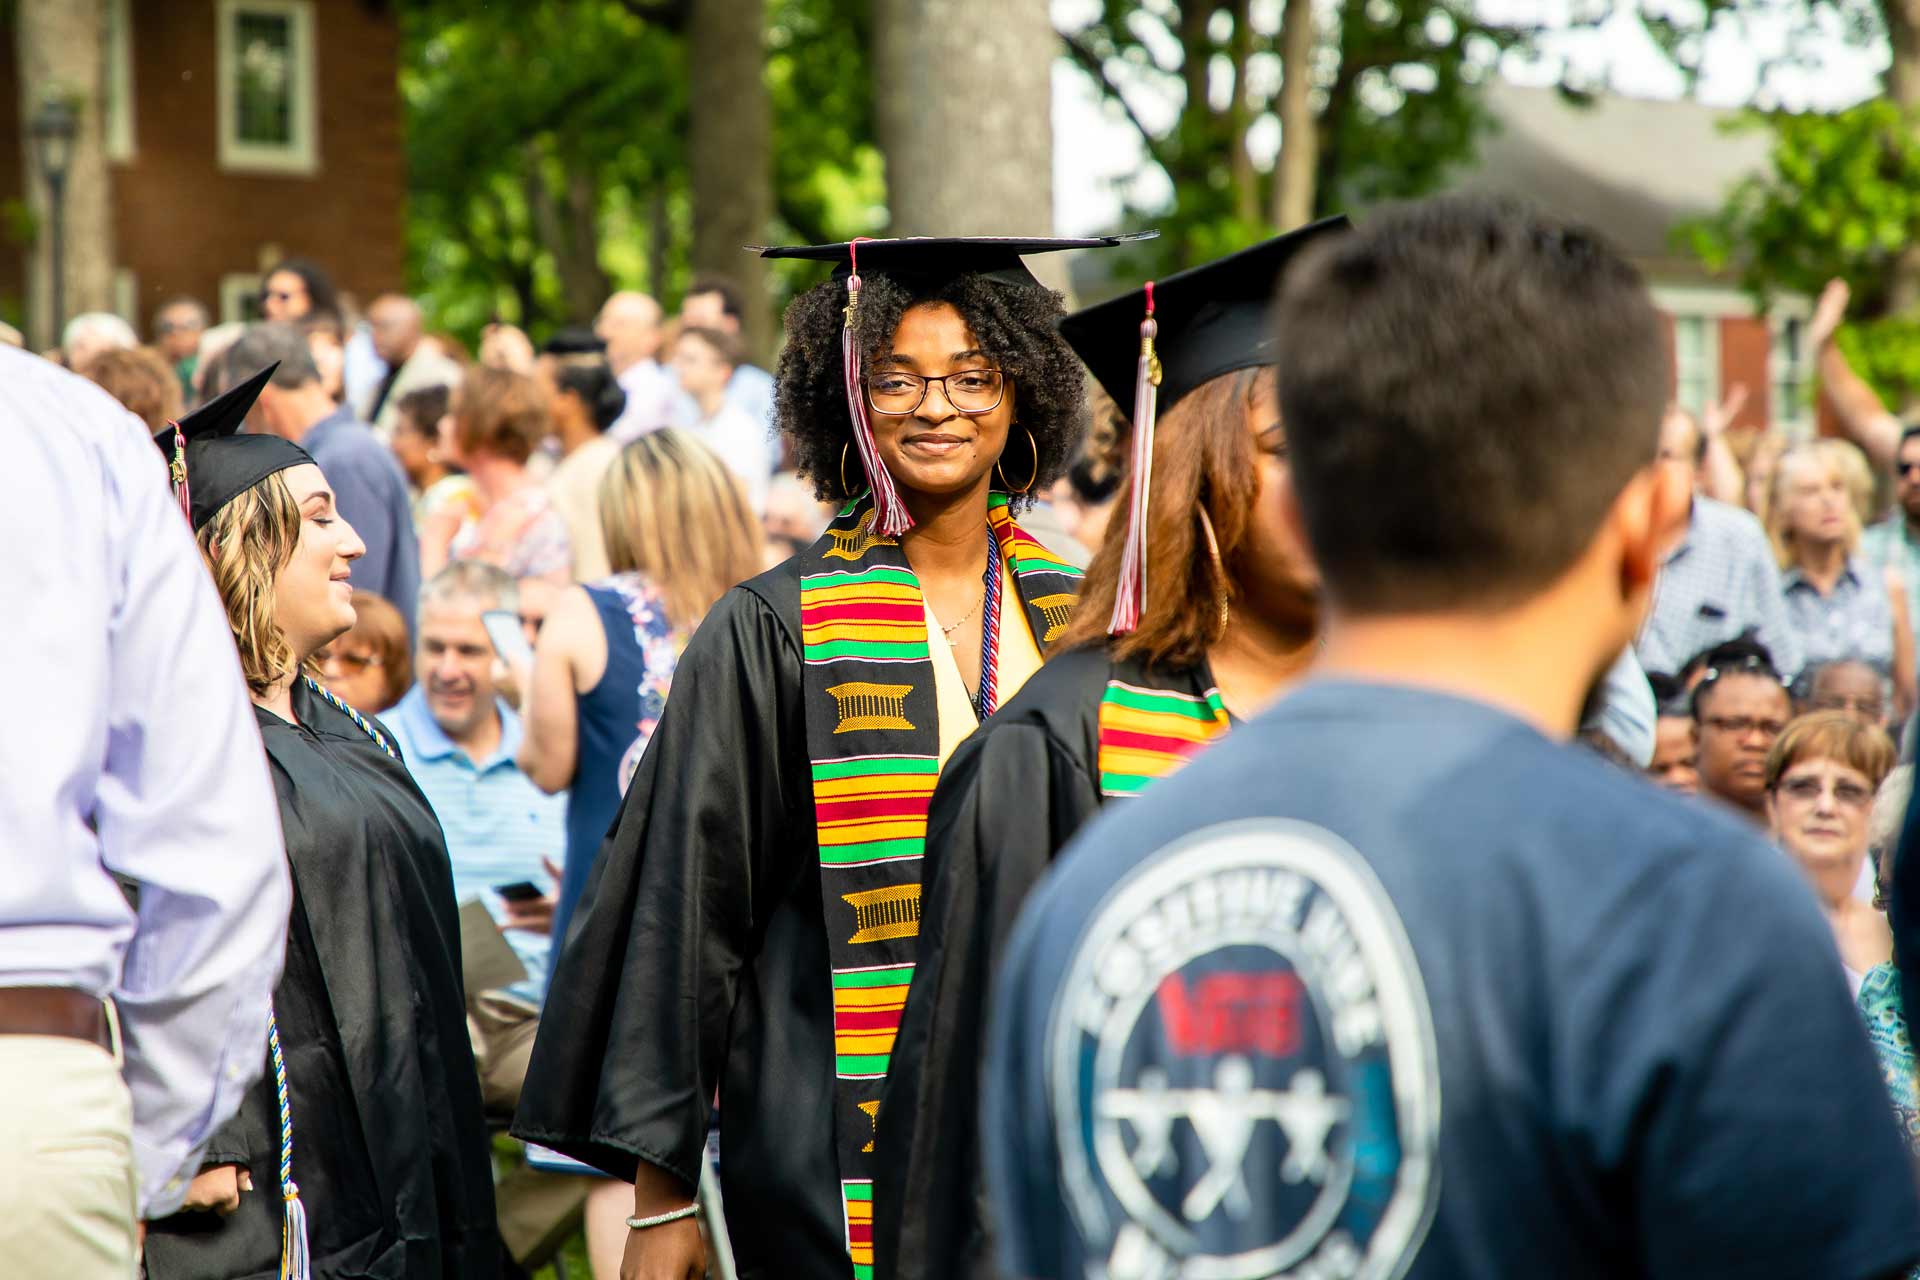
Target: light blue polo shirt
(497, 823)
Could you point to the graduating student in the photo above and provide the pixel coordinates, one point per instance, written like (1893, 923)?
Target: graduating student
(374, 1162)
(751, 923)
(1393, 981)
(1199, 608)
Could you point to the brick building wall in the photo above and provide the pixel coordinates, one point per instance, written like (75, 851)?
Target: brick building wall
(182, 222)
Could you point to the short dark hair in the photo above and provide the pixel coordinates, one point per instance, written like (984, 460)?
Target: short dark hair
(725, 344)
(320, 292)
(731, 303)
(1726, 653)
(580, 368)
(1669, 694)
(425, 406)
(1467, 386)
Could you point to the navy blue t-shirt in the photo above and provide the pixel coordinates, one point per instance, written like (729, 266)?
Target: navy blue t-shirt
(1387, 983)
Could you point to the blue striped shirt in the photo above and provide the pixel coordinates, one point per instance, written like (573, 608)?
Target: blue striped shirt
(497, 823)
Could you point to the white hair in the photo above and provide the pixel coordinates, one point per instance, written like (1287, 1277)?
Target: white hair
(101, 330)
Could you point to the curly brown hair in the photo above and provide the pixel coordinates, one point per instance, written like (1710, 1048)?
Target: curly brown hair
(1014, 325)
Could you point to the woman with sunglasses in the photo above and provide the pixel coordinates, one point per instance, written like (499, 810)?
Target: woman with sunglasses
(1822, 775)
(751, 924)
(1198, 609)
(370, 1159)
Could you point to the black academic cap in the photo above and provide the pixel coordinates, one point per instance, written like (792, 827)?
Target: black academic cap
(926, 261)
(221, 462)
(1213, 319)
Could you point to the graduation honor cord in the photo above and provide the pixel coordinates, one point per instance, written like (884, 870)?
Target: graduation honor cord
(984, 705)
(296, 1258)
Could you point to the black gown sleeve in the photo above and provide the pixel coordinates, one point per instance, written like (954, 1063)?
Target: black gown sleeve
(1007, 800)
(633, 1035)
(1903, 898)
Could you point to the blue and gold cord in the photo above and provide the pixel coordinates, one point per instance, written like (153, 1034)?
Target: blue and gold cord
(296, 1259)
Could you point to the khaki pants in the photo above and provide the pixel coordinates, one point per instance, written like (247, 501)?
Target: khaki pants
(537, 1211)
(68, 1191)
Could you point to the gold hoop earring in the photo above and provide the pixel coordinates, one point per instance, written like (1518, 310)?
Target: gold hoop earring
(1219, 573)
(1034, 449)
(844, 491)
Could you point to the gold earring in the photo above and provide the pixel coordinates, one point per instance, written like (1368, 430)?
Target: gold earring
(1032, 448)
(844, 491)
(1219, 573)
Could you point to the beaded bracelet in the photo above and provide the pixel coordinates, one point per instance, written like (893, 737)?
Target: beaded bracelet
(660, 1219)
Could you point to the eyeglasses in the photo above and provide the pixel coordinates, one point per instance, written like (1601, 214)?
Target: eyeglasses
(1741, 726)
(969, 391)
(350, 663)
(1865, 704)
(1850, 795)
(1907, 468)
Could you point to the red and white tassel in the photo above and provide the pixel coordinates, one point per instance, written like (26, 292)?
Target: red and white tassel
(1130, 600)
(177, 472)
(890, 518)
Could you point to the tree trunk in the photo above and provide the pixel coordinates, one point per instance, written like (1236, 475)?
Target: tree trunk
(568, 225)
(62, 55)
(1246, 183)
(729, 147)
(1902, 18)
(1295, 168)
(963, 105)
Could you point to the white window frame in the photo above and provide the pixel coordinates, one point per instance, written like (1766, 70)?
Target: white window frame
(235, 288)
(1797, 419)
(302, 155)
(1709, 357)
(119, 121)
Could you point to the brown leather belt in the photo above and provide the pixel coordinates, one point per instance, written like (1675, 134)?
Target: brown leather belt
(53, 1011)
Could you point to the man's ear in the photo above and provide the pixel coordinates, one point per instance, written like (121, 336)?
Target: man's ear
(1650, 516)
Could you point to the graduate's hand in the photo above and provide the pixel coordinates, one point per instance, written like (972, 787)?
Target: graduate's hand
(218, 1188)
(672, 1251)
(534, 915)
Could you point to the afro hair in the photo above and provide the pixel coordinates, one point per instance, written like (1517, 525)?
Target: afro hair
(1015, 325)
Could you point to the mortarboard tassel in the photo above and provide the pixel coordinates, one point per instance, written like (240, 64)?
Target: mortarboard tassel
(890, 514)
(296, 1262)
(1130, 600)
(177, 472)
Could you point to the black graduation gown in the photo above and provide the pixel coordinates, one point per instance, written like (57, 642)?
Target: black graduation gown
(390, 1150)
(1010, 798)
(707, 897)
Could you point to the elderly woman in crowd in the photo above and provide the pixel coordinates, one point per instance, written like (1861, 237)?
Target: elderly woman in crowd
(495, 423)
(1822, 775)
(1839, 605)
(371, 666)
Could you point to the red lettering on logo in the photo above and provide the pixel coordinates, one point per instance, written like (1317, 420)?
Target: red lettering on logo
(1232, 1013)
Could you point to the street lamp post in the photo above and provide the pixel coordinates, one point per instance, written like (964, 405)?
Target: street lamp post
(53, 129)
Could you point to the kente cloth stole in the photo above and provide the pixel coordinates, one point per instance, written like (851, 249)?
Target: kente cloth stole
(874, 740)
(1146, 734)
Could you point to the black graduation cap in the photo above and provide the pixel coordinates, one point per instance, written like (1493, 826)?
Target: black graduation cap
(219, 462)
(1213, 319)
(933, 260)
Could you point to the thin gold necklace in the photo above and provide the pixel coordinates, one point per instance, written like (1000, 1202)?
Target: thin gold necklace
(949, 630)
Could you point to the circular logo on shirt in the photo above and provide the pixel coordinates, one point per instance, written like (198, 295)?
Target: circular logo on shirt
(1243, 1066)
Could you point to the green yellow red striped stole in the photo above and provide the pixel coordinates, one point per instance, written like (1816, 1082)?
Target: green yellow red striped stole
(1146, 734)
(873, 737)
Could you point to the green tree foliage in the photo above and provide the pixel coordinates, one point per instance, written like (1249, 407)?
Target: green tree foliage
(546, 148)
(1395, 95)
(1842, 199)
